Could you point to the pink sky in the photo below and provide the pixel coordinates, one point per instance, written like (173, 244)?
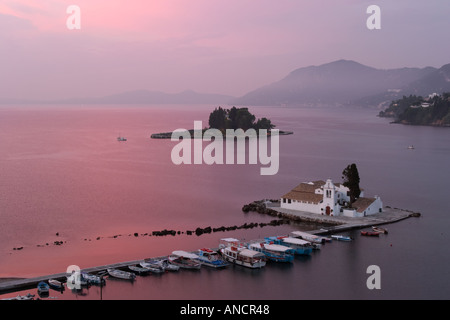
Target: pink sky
(214, 46)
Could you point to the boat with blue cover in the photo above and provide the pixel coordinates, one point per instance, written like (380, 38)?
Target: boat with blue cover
(43, 288)
(211, 258)
(341, 238)
(273, 252)
(301, 247)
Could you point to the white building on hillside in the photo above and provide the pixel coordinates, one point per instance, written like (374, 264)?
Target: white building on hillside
(326, 198)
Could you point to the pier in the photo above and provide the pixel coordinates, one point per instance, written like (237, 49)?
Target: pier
(334, 225)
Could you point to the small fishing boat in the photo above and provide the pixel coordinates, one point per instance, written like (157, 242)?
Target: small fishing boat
(411, 147)
(211, 258)
(300, 246)
(341, 238)
(55, 284)
(121, 274)
(185, 260)
(310, 237)
(273, 252)
(28, 296)
(162, 263)
(154, 268)
(370, 233)
(43, 288)
(380, 230)
(139, 270)
(120, 138)
(92, 279)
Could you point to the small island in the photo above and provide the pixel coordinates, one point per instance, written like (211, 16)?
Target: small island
(234, 118)
(433, 110)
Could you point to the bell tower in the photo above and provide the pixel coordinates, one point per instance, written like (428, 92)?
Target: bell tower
(329, 199)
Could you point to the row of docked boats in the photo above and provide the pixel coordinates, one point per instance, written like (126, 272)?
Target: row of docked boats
(253, 254)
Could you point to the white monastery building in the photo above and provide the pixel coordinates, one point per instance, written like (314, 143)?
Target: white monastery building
(326, 198)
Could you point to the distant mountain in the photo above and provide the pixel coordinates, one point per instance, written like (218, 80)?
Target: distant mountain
(141, 97)
(347, 82)
(158, 97)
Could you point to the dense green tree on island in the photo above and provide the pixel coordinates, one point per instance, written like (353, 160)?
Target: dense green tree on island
(237, 118)
(350, 176)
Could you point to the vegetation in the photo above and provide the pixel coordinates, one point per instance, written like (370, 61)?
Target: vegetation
(350, 176)
(417, 110)
(237, 118)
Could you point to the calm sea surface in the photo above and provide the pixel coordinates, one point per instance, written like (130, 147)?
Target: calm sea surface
(65, 177)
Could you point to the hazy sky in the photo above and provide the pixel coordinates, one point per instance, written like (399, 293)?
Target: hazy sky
(212, 46)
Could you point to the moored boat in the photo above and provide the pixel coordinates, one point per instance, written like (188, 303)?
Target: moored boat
(370, 233)
(154, 268)
(273, 252)
(317, 240)
(43, 288)
(139, 270)
(243, 257)
(380, 230)
(162, 263)
(340, 237)
(300, 246)
(121, 274)
(55, 284)
(92, 279)
(28, 296)
(210, 258)
(185, 260)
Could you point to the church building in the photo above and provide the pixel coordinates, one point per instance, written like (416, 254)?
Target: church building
(326, 198)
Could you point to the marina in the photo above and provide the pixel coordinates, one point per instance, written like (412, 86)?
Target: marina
(253, 254)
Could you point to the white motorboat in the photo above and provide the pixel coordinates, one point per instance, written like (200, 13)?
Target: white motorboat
(317, 240)
(28, 296)
(154, 268)
(341, 238)
(211, 258)
(121, 274)
(234, 251)
(184, 260)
